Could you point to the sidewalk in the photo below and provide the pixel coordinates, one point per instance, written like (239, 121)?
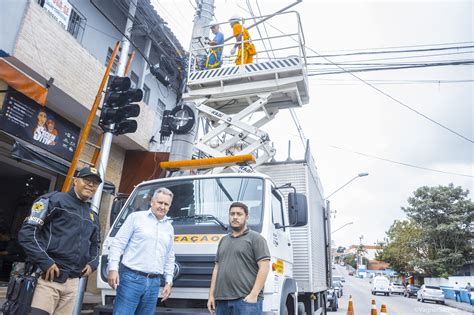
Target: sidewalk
(90, 300)
(459, 305)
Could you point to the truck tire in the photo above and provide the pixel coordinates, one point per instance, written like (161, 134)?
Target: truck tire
(301, 310)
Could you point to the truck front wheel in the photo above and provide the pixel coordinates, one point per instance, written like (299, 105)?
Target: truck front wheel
(301, 310)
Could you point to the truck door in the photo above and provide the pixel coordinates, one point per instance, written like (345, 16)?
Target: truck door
(280, 239)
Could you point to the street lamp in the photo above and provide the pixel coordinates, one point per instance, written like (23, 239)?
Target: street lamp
(352, 179)
(349, 223)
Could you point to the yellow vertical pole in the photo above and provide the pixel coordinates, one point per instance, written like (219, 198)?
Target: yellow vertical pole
(129, 63)
(90, 120)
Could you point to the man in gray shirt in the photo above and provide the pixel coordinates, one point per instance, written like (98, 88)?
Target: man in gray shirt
(242, 266)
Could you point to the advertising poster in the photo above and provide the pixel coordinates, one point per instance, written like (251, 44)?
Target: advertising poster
(38, 125)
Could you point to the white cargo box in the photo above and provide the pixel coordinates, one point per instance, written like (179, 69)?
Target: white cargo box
(310, 243)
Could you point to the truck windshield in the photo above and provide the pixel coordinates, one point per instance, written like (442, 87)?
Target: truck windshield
(202, 202)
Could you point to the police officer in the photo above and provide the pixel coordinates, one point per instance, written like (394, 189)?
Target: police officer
(62, 237)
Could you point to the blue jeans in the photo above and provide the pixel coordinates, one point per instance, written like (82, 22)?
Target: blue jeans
(136, 294)
(238, 307)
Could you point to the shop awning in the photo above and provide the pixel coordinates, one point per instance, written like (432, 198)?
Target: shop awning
(26, 152)
(20, 81)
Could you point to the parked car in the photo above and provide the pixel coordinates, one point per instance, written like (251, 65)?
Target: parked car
(430, 293)
(338, 278)
(332, 303)
(343, 280)
(396, 288)
(351, 273)
(380, 285)
(337, 285)
(411, 290)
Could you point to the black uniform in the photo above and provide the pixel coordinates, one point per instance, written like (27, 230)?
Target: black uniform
(61, 230)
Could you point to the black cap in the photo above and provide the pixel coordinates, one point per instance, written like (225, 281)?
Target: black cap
(89, 172)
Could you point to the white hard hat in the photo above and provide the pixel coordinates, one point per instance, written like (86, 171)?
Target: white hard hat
(235, 18)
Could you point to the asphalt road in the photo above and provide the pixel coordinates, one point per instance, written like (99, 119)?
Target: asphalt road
(399, 305)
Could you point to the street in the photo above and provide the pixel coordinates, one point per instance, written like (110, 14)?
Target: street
(396, 304)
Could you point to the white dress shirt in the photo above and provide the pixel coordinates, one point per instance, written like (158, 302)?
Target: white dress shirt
(146, 244)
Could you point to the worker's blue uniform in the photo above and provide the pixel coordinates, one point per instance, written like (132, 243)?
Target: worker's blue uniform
(214, 59)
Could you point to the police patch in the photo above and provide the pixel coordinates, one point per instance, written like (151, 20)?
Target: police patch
(37, 206)
(39, 211)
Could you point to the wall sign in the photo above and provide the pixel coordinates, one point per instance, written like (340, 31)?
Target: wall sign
(60, 10)
(26, 119)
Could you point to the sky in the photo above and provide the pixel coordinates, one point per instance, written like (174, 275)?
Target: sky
(348, 122)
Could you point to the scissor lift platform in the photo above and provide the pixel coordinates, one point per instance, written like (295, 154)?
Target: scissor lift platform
(232, 88)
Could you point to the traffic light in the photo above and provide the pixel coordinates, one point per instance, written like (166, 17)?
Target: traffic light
(160, 75)
(118, 107)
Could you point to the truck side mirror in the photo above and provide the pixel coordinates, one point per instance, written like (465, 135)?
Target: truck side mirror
(297, 209)
(117, 205)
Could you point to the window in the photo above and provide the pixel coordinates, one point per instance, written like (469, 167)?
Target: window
(77, 24)
(146, 94)
(115, 65)
(202, 196)
(134, 78)
(160, 108)
(277, 209)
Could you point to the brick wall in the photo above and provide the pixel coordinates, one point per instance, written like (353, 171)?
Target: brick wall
(51, 51)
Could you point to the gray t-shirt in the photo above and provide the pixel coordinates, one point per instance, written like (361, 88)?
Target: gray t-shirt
(238, 259)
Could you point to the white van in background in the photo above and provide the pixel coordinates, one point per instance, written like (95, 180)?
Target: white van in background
(380, 284)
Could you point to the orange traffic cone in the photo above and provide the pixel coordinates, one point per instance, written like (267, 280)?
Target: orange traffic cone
(350, 307)
(383, 310)
(373, 311)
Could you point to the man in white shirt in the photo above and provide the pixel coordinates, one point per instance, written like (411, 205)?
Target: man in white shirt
(146, 242)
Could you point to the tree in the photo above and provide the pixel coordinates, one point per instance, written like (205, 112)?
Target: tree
(350, 259)
(435, 240)
(402, 249)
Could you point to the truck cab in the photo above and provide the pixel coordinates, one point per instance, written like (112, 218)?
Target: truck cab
(199, 214)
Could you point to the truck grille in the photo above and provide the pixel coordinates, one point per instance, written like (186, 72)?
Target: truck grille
(193, 271)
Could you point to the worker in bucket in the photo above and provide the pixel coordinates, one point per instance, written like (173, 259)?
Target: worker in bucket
(240, 33)
(214, 58)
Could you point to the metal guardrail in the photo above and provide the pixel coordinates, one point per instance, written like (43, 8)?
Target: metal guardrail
(276, 47)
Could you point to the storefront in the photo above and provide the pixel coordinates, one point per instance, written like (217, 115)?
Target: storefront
(36, 147)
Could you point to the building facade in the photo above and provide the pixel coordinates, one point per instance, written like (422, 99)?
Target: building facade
(53, 55)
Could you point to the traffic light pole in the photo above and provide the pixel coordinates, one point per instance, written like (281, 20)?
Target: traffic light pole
(106, 145)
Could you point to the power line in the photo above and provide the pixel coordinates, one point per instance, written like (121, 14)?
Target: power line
(394, 82)
(382, 92)
(391, 47)
(258, 28)
(351, 71)
(414, 56)
(388, 51)
(190, 2)
(265, 28)
(399, 163)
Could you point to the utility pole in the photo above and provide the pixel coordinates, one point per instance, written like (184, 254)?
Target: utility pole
(106, 145)
(182, 145)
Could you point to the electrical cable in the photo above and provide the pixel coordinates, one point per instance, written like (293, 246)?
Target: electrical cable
(399, 163)
(392, 47)
(265, 29)
(414, 56)
(258, 28)
(298, 126)
(393, 82)
(387, 51)
(190, 2)
(351, 71)
(386, 94)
